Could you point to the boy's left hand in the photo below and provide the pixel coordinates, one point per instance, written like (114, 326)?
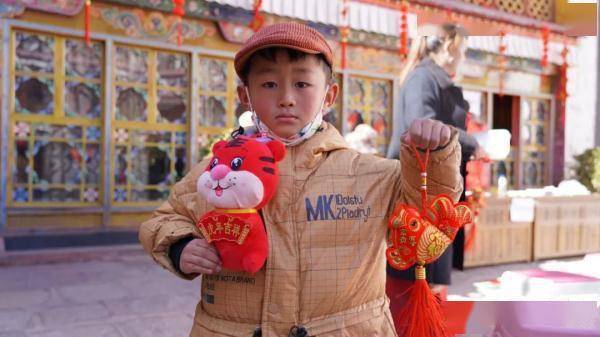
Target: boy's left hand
(427, 134)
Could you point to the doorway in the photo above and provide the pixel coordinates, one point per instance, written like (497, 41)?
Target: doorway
(506, 112)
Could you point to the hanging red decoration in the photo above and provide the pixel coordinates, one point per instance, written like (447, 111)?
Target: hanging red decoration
(88, 8)
(419, 237)
(545, 37)
(344, 32)
(449, 15)
(502, 63)
(179, 11)
(403, 50)
(477, 182)
(477, 202)
(562, 89)
(257, 20)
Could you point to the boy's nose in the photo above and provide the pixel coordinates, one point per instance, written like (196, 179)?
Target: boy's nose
(286, 101)
(219, 172)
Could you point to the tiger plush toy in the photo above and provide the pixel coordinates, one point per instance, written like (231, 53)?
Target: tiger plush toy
(241, 178)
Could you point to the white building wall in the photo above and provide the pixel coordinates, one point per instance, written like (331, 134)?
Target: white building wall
(581, 104)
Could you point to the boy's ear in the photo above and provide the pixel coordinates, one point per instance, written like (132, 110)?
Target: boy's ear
(277, 148)
(332, 93)
(243, 95)
(218, 145)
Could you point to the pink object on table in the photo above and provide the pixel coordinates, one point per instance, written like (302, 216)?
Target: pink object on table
(534, 319)
(557, 276)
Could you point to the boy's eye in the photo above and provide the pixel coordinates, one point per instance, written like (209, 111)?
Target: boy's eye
(269, 85)
(302, 85)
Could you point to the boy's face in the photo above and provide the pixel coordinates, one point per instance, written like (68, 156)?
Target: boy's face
(286, 94)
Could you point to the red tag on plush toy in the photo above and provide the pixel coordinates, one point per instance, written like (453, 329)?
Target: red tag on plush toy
(241, 178)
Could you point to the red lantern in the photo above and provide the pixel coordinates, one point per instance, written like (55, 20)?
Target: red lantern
(344, 32)
(403, 31)
(257, 20)
(88, 7)
(179, 11)
(545, 37)
(502, 63)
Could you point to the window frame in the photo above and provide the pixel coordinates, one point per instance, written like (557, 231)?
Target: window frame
(58, 117)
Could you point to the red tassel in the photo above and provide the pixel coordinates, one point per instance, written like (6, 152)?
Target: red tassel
(258, 20)
(562, 89)
(88, 7)
(344, 44)
(422, 315)
(403, 50)
(545, 36)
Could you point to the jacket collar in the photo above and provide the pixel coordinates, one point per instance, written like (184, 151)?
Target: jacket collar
(440, 75)
(310, 152)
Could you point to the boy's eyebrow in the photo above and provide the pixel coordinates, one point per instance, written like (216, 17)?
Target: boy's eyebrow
(269, 70)
(303, 70)
(265, 70)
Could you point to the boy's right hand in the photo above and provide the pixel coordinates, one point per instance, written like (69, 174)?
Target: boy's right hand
(426, 133)
(199, 257)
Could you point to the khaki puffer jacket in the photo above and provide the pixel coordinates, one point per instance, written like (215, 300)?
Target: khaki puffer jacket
(326, 226)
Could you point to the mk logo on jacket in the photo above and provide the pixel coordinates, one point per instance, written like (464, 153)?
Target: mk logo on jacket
(337, 207)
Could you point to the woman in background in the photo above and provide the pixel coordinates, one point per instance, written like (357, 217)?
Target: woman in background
(427, 90)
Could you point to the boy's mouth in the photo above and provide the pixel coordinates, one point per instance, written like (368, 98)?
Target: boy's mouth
(285, 117)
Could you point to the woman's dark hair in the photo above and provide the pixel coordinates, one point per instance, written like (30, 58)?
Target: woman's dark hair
(447, 32)
(426, 45)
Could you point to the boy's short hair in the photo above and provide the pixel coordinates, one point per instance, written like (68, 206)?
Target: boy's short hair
(270, 54)
(288, 35)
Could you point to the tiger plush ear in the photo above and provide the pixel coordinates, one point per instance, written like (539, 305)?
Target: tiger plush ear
(218, 145)
(277, 148)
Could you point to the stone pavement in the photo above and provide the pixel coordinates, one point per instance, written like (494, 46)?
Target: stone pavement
(115, 292)
(126, 295)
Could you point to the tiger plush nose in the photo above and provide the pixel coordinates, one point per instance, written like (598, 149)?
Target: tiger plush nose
(219, 172)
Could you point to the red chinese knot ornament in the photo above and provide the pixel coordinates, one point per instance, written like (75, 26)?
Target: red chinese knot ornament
(420, 237)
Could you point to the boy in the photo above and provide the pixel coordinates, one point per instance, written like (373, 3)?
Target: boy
(327, 224)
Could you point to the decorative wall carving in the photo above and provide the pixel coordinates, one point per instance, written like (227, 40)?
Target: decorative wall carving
(154, 25)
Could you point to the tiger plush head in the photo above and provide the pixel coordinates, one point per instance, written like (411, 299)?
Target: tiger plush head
(242, 172)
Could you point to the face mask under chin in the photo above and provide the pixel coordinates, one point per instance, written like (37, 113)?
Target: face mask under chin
(306, 132)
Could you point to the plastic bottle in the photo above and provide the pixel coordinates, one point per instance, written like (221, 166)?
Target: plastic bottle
(502, 185)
